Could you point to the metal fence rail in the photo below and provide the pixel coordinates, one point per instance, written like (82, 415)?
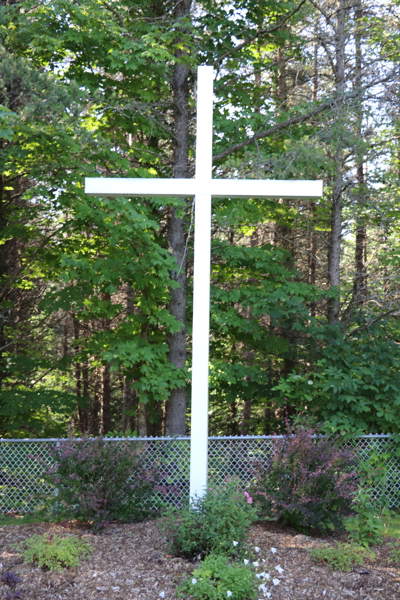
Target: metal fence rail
(21, 475)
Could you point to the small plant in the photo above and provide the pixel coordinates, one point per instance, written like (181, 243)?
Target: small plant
(342, 557)
(217, 579)
(11, 579)
(308, 483)
(395, 553)
(54, 552)
(99, 481)
(218, 522)
(368, 526)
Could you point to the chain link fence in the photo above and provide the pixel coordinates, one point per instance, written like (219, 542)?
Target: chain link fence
(22, 487)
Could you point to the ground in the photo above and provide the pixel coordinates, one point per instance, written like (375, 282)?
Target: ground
(131, 562)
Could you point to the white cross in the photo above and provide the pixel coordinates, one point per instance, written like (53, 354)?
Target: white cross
(202, 187)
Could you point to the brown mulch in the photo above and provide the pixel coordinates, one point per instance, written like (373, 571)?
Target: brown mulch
(131, 562)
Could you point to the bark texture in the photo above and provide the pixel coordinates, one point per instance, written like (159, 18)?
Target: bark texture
(360, 277)
(176, 408)
(336, 215)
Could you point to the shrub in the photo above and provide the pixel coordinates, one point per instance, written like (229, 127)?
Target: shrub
(99, 481)
(366, 527)
(217, 579)
(218, 522)
(308, 482)
(342, 557)
(369, 503)
(54, 552)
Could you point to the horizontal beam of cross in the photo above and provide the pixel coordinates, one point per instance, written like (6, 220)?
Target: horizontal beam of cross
(217, 188)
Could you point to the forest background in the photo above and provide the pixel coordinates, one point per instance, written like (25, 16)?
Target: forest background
(95, 298)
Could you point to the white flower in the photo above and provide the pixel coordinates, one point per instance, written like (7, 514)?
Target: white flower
(310, 382)
(279, 569)
(273, 550)
(262, 587)
(268, 594)
(194, 580)
(235, 543)
(276, 581)
(162, 594)
(255, 564)
(229, 594)
(257, 549)
(267, 576)
(246, 562)
(258, 575)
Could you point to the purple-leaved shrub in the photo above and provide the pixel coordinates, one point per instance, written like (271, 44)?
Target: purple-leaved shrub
(308, 482)
(11, 579)
(100, 481)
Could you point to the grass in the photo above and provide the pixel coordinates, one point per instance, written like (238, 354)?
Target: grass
(392, 526)
(26, 519)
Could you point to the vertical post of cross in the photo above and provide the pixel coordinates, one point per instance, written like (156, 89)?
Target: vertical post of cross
(201, 286)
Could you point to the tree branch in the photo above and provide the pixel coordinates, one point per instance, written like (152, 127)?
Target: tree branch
(275, 129)
(261, 33)
(344, 97)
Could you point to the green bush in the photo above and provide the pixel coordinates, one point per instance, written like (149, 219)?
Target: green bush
(369, 503)
(308, 482)
(54, 552)
(217, 579)
(342, 557)
(366, 527)
(218, 522)
(99, 481)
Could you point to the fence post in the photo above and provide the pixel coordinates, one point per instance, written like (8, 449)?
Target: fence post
(56, 492)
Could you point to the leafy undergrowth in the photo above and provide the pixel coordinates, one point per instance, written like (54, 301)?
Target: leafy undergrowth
(342, 557)
(54, 552)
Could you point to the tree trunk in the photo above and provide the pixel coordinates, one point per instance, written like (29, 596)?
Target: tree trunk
(176, 408)
(360, 277)
(312, 255)
(129, 397)
(106, 381)
(142, 420)
(128, 418)
(336, 214)
(233, 424)
(85, 411)
(106, 401)
(312, 245)
(78, 379)
(95, 407)
(249, 356)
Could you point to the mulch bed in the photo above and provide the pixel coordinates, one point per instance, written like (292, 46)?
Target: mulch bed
(131, 562)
